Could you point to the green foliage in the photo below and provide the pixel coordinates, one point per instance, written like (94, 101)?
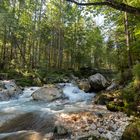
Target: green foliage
(131, 99)
(24, 82)
(124, 77)
(132, 131)
(136, 71)
(53, 35)
(128, 94)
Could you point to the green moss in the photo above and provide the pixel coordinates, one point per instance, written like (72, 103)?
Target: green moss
(115, 106)
(103, 99)
(131, 99)
(132, 132)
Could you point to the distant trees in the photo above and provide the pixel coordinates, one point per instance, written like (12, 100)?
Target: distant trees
(52, 35)
(41, 34)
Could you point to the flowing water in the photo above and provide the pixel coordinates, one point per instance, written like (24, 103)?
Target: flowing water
(25, 103)
(24, 114)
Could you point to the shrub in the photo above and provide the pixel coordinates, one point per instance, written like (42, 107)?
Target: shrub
(136, 74)
(136, 71)
(132, 131)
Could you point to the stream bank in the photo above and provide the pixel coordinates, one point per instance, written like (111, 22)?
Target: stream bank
(73, 116)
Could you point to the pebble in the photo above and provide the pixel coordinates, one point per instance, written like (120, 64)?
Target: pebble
(101, 130)
(110, 126)
(93, 126)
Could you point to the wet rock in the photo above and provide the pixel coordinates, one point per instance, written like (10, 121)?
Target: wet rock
(113, 86)
(30, 121)
(4, 95)
(46, 94)
(22, 135)
(98, 82)
(8, 89)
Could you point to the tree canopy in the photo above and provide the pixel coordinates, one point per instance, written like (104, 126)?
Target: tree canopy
(40, 35)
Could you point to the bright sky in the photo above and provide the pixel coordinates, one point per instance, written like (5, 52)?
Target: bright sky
(99, 20)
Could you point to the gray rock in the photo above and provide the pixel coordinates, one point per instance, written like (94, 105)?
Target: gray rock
(93, 126)
(4, 95)
(46, 94)
(8, 90)
(101, 130)
(113, 86)
(98, 82)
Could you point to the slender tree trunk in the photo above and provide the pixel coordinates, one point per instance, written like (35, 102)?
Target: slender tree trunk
(127, 35)
(3, 54)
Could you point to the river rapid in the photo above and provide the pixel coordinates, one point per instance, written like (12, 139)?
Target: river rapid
(25, 118)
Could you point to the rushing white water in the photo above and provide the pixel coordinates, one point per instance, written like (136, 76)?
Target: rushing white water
(25, 103)
(74, 94)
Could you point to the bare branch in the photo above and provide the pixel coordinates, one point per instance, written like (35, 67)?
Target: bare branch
(112, 4)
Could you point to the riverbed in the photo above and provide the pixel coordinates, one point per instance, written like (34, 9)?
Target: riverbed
(76, 112)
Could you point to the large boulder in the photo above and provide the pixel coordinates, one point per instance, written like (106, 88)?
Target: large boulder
(8, 89)
(98, 82)
(46, 94)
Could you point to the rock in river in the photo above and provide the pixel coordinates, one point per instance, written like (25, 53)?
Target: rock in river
(8, 89)
(113, 86)
(47, 94)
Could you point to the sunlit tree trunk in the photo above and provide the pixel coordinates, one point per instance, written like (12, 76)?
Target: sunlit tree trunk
(127, 35)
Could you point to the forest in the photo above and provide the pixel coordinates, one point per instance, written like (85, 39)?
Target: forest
(74, 47)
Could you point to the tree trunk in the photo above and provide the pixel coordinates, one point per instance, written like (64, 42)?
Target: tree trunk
(127, 35)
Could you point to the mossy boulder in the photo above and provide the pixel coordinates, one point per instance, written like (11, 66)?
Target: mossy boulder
(115, 105)
(105, 97)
